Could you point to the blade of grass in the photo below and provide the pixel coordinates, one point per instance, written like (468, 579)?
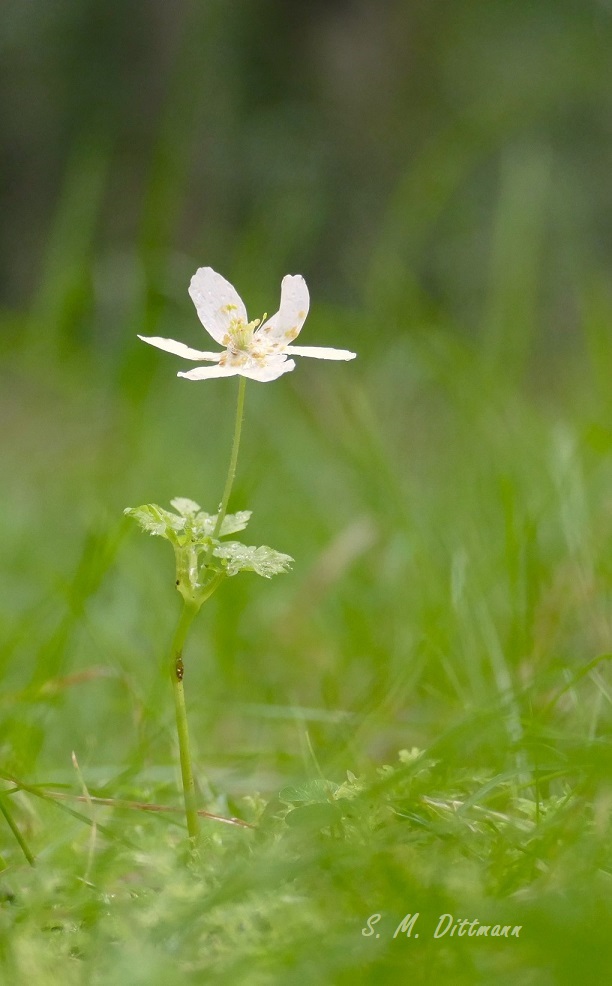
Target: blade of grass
(12, 824)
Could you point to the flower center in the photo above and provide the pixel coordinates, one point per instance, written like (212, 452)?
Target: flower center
(242, 343)
(241, 335)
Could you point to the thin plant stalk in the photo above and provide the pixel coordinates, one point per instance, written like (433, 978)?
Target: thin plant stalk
(231, 472)
(187, 614)
(176, 673)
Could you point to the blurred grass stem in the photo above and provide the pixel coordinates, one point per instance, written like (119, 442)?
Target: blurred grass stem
(12, 824)
(176, 672)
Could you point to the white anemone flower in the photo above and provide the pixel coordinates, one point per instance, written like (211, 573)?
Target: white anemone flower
(260, 349)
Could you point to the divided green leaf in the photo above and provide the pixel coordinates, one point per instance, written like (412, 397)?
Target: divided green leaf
(200, 557)
(154, 520)
(237, 557)
(189, 524)
(185, 506)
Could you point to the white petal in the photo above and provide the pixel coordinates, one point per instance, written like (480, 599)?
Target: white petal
(209, 372)
(216, 301)
(271, 370)
(319, 352)
(283, 327)
(179, 348)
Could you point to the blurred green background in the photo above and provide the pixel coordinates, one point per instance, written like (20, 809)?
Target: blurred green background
(439, 171)
(440, 174)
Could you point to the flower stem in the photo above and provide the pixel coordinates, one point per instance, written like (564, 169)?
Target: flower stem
(231, 472)
(176, 673)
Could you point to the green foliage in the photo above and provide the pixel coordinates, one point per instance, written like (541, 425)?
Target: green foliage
(447, 497)
(320, 889)
(236, 557)
(451, 602)
(190, 525)
(201, 559)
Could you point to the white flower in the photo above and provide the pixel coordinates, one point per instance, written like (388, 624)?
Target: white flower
(258, 349)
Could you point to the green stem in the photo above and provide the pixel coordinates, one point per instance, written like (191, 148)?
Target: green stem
(15, 830)
(176, 673)
(231, 472)
(188, 612)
